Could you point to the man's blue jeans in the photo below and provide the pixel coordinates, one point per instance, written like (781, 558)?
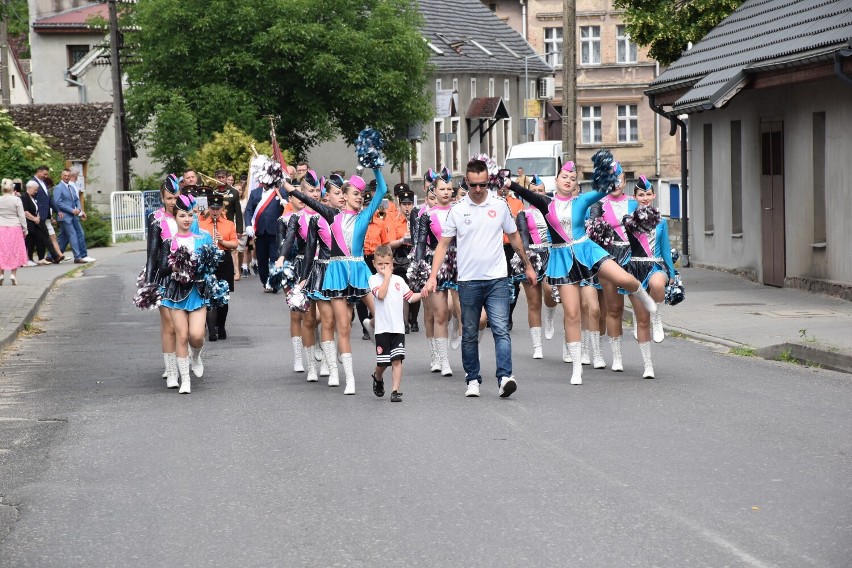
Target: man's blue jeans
(72, 231)
(495, 297)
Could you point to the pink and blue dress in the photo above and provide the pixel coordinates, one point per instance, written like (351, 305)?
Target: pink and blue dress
(650, 253)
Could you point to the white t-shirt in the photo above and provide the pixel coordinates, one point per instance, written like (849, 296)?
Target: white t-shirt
(389, 316)
(478, 230)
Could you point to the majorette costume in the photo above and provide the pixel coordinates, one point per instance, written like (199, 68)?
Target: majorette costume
(429, 234)
(536, 238)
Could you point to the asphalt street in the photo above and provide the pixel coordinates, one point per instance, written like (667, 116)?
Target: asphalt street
(720, 461)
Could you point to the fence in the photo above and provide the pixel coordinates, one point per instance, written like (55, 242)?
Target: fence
(128, 213)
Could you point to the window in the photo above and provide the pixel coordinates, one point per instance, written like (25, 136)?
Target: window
(455, 85)
(736, 178)
(533, 91)
(708, 179)
(592, 125)
(625, 49)
(437, 85)
(553, 46)
(628, 123)
(492, 6)
(439, 156)
(590, 45)
(473, 87)
(76, 53)
(819, 177)
(491, 87)
(414, 164)
(506, 92)
(454, 126)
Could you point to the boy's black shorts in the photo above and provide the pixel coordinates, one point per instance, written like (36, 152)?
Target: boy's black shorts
(389, 347)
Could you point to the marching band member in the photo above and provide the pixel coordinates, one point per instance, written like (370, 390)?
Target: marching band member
(224, 235)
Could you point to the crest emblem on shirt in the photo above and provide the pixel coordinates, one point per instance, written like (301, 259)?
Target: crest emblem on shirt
(492, 213)
(396, 285)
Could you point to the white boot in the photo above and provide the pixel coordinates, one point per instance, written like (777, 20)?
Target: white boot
(577, 375)
(166, 361)
(441, 345)
(535, 332)
(549, 328)
(329, 350)
(434, 359)
(318, 341)
(645, 348)
(312, 368)
(171, 371)
(566, 353)
(657, 326)
(347, 370)
(183, 367)
(646, 300)
(197, 363)
(615, 344)
(324, 372)
(597, 358)
(584, 348)
(298, 364)
(455, 334)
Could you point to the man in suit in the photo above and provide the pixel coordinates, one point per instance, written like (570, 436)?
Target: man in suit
(67, 202)
(45, 213)
(263, 209)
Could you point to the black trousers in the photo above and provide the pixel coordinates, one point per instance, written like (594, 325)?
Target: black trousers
(216, 317)
(266, 249)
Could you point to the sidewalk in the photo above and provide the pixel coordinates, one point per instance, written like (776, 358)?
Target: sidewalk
(19, 304)
(719, 308)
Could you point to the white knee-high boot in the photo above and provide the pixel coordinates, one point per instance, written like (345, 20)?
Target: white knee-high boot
(549, 328)
(615, 344)
(196, 363)
(312, 368)
(597, 358)
(441, 344)
(657, 331)
(347, 371)
(584, 348)
(329, 351)
(298, 366)
(646, 300)
(171, 371)
(577, 373)
(434, 358)
(535, 333)
(183, 367)
(167, 364)
(566, 353)
(645, 348)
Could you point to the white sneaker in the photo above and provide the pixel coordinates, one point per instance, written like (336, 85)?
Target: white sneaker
(472, 389)
(31, 263)
(89, 259)
(508, 385)
(657, 328)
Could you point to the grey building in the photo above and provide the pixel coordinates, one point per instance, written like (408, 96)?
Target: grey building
(768, 94)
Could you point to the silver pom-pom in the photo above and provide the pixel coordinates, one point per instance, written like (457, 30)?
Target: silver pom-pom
(600, 231)
(417, 274)
(297, 299)
(674, 291)
(182, 263)
(516, 265)
(147, 297)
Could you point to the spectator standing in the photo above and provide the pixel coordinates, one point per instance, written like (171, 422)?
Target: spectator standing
(45, 213)
(67, 202)
(522, 178)
(13, 231)
(37, 239)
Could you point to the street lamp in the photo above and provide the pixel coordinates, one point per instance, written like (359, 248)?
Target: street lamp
(527, 85)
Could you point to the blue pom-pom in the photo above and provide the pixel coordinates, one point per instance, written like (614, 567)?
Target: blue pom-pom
(674, 291)
(603, 177)
(207, 258)
(275, 280)
(368, 147)
(218, 291)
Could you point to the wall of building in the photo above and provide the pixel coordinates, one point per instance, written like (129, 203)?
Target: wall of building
(794, 105)
(50, 61)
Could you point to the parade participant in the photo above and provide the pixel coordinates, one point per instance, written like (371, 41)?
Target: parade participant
(612, 209)
(245, 248)
(429, 234)
(224, 235)
(346, 277)
(390, 292)
(187, 306)
(263, 209)
(376, 235)
(534, 234)
(515, 206)
(293, 236)
(414, 309)
(231, 209)
(573, 256)
(478, 223)
(651, 264)
(401, 242)
(161, 226)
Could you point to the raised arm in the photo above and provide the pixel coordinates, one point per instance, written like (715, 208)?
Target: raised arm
(381, 190)
(537, 200)
(328, 213)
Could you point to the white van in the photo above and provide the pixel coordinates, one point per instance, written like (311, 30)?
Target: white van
(543, 159)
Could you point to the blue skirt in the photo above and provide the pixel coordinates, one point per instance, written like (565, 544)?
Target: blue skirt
(576, 263)
(346, 278)
(191, 303)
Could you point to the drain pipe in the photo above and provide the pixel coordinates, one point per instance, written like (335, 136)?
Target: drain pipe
(684, 184)
(839, 56)
(80, 86)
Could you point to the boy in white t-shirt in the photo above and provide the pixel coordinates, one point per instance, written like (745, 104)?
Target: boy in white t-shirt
(390, 291)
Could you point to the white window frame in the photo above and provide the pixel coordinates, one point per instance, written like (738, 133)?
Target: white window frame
(415, 167)
(591, 116)
(507, 137)
(473, 87)
(533, 90)
(590, 45)
(553, 46)
(491, 86)
(437, 85)
(631, 123)
(455, 126)
(623, 43)
(455, 85)
(506, 90)
(438, 154)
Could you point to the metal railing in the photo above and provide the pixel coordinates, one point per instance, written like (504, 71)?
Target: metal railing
(127, 214)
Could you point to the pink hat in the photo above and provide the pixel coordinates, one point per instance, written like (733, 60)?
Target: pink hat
(357, 182)
(569, 166)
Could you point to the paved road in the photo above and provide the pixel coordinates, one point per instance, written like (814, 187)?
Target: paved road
(721, 461)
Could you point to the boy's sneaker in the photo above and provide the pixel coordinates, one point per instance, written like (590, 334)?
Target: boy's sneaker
(396, 396)
(472, 389)
(378, 387)
(507, 387)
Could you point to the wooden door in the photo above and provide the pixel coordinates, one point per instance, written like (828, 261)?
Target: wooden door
(772, 202)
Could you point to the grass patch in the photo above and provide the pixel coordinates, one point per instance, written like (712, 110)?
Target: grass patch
(786, 356)
(743, 351)
(31, 329)
(676, 334)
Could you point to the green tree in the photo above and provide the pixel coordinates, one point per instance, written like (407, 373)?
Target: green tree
(175, 134)
(323, 66)
(667, 26)
(22, 152)
(231, 150)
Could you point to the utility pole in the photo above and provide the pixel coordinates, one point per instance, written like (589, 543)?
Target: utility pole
(569, 80)
(122, 148)
(5, 91)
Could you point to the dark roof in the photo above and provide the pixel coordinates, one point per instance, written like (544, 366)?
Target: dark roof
(455, 27)
(73, 19)
(759, 35)
(72, 130)
(487, 107)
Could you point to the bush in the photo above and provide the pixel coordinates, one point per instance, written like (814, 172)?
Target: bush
(22, 152)
(98, 230)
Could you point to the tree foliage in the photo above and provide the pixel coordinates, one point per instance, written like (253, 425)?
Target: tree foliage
(323, 66)
(21, 152)
(175, 134)
(230, 150)
(667, 26)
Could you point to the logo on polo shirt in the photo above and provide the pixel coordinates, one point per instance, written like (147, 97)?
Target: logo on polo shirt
(397, 286)
(492, 213)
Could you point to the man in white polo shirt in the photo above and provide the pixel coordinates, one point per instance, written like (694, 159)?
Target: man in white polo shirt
(478, 222)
